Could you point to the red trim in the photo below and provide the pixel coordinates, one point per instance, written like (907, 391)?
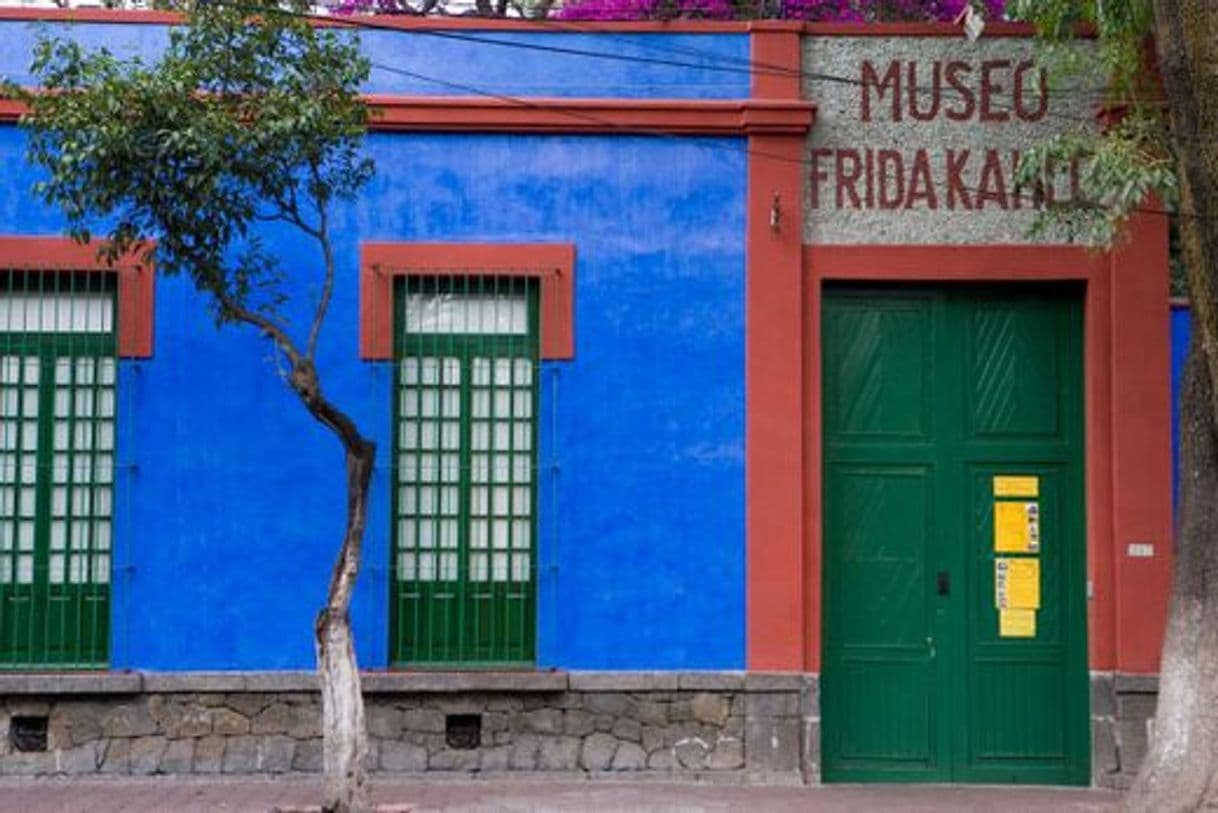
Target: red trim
(953, 263)
(774, 487)
(553, 263)
(11, 111)
(136, 282)
(91, 15)
(702, 117)
(1141, 441)
(542, 115)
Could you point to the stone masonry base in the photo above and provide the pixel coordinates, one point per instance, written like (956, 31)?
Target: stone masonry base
(731, 725)
(1122, 712)
(754, 726)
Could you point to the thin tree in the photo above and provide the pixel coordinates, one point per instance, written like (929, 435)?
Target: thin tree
(1163, 151)
(242, 121)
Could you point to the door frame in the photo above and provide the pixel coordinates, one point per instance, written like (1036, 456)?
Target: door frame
(973, 264)
(1127, 454)
(953, 756)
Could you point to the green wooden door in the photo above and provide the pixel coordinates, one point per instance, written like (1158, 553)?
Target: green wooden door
(464, 567)
(929, 395)
(58, 370)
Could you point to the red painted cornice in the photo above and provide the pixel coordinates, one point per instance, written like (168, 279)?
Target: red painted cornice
(90, 15)
(547, 115)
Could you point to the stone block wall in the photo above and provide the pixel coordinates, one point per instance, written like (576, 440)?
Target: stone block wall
(734, 726)
(749, 726)
(1122, 713)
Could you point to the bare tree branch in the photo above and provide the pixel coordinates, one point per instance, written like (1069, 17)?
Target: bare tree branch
(327, 289)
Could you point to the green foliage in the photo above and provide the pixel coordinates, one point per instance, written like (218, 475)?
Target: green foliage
(1119, 172)
(1121, 29)
(240, 121)
(1128, 163)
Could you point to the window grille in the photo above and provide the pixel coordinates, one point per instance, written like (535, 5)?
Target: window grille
(465, 502)
(58, 376)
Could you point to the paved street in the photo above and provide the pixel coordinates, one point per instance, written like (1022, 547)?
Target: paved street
(528, 794)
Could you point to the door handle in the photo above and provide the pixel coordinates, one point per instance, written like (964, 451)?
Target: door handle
(944, 583)
(930, 646)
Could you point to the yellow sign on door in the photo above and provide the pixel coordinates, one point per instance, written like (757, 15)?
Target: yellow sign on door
(1011, 485)
(1016, 583)
(1015, 623)
(1017, 527)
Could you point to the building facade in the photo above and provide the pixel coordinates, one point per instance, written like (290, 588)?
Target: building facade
(728, 420)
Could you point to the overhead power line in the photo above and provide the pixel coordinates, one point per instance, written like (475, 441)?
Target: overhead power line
(369, 22)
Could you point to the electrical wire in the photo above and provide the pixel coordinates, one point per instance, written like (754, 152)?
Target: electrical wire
(707, 61)
(1031, 199)
(602, 123)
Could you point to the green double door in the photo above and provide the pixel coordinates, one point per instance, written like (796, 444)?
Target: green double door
(930, 394)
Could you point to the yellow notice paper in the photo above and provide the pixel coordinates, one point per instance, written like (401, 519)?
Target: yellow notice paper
(1017, 527)
(1017, 623)
(1009, 485)
(1016, 583)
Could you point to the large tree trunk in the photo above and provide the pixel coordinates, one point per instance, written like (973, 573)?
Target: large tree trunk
(345, 738)
(344, 735)
(1180, 771)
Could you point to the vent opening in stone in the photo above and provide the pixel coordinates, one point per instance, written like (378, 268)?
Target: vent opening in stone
(463, 731)
(28, 733)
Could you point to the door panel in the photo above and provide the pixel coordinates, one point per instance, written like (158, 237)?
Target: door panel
(879, 383)
(464, 577)
(879, 506)
(930, 393)
(1011, 354)
(889, 700)
(56, 499)
(883, 596)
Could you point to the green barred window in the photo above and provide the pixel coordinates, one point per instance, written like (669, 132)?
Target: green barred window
(465, 502)
(57, 430)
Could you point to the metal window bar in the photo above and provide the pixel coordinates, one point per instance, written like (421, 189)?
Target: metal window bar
(58, 382)
(464, 570)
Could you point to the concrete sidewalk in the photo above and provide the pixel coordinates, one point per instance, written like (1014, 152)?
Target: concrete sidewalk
(514, 794)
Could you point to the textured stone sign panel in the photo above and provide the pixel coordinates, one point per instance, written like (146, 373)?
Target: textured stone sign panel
(917, 139)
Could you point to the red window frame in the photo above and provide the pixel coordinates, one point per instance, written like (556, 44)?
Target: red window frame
(136, 281)
(552, 263)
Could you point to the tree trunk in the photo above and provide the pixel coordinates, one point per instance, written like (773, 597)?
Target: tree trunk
(345, 738)
(1180, 771)
(344, 734)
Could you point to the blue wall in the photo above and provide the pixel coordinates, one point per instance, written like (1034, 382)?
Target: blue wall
(230, 499)
(1179, 353)
(230, 502)
(642, 495)
(467, 61)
